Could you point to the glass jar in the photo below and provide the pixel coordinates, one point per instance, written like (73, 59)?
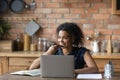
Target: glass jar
(45, 44)
(40, 44)
(103, 46)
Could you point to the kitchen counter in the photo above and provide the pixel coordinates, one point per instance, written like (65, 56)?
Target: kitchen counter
(21, 54)
(37, 54)
(107, 56)
(102, 59)
(12, 61)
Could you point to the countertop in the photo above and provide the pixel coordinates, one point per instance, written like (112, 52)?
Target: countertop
(38, 53)
(21, 54)
(106, 56)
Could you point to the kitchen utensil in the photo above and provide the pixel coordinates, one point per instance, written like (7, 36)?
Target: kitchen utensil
(3, 6)
(17, 6)
(33, 4)
(31, 28)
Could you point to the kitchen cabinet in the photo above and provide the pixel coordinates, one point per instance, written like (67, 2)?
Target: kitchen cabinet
(14, 61)
(101, 60)
(20, 63)
(116, 6)
(3, 65)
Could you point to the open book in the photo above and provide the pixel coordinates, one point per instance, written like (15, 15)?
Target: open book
(34, 72)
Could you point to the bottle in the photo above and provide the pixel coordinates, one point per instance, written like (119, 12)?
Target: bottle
(109, 45)
(40, 44)
(108, 70)
(17, 44)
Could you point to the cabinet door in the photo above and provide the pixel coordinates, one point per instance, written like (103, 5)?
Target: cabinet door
(20, 63)
(3, 65)
(102, 62)
(0, 68)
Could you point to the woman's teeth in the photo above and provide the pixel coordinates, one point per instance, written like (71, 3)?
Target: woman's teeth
(61, 46)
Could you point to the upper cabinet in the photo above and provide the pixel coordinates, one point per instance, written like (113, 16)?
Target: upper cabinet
(115, 6)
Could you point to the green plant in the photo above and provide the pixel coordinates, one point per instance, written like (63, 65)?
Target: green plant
(4, 27)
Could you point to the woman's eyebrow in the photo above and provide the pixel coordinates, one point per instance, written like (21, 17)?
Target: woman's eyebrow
(63, 36)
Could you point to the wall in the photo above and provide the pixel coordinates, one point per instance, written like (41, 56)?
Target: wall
(90, 15)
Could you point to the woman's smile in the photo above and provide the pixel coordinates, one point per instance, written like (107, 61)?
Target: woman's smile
(64, 39)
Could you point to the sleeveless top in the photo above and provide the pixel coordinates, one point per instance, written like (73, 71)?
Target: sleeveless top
(78, 54)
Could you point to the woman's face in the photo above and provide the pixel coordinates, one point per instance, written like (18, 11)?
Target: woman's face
(64, 39)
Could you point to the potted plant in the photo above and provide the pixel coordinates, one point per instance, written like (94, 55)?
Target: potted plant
(4, 27)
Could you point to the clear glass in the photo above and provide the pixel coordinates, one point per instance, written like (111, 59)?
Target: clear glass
(45, 44)
(116, 46)
(104, 46)
(40, 44)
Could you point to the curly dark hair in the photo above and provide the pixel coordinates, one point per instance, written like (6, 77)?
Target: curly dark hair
(75, 32)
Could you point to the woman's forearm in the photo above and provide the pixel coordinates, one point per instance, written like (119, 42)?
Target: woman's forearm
(35, 64)
(86, 70)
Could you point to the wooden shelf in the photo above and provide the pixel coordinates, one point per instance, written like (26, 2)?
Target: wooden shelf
(19, 18)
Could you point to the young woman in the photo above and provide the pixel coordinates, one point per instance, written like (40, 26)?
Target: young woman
(70, 42)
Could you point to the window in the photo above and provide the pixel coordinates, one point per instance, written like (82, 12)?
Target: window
(116, 6)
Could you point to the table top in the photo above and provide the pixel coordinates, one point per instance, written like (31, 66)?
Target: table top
(8, 76)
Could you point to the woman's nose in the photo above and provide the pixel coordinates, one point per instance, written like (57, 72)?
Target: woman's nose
(61, 39)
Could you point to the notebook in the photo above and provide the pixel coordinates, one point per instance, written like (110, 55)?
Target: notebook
(57, 66)
(34, 72)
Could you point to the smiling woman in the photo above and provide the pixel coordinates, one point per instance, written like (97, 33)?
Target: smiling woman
(71, 38)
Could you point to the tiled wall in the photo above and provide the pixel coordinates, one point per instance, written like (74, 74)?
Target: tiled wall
(90, 15)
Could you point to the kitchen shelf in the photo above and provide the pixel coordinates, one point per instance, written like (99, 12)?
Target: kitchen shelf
(19, 18)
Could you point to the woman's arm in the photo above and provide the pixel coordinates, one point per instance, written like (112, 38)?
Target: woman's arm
(91, 65)
(36, 63)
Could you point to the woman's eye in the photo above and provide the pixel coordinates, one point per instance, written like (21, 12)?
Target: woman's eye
(65, 38)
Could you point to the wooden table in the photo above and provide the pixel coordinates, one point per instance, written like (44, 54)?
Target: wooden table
(18, 77)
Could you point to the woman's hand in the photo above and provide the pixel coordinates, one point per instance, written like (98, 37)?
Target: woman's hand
(52, 49)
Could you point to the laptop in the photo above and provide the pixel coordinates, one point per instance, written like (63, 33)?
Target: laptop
(57, 66)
